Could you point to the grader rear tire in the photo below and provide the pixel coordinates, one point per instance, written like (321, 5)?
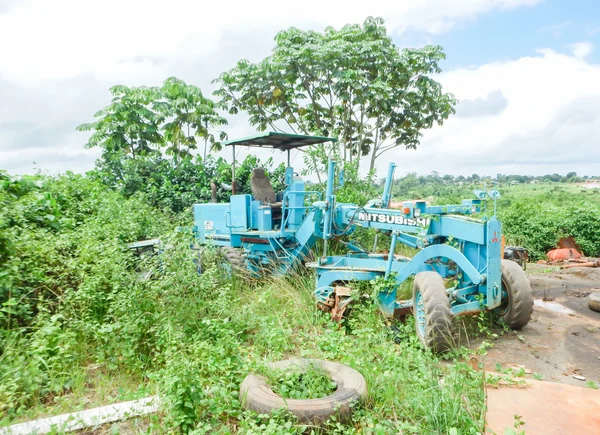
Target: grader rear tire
(433, 318)
(519, 306)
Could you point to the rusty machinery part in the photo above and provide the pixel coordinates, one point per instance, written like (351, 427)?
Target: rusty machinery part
(255, 393)
(582, 264)
(594, 301)
(336, 303)
(517, 254)
(517, 305)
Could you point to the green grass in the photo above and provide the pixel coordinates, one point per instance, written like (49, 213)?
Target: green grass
(209, 332)
(410, 390)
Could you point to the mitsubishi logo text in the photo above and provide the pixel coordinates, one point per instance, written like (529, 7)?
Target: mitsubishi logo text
(391, 219)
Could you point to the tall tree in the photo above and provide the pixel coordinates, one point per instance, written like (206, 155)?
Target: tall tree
(188, 115)
(144, 120)
(129, 126)
(353, 83)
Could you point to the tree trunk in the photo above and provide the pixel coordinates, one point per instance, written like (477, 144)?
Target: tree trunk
(375, 148)
(373, 158)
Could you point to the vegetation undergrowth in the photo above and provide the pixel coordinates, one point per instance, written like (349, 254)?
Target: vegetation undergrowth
(311, 383)
(194, 339)
(86, 322)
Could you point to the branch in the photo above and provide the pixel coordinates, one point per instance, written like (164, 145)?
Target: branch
(384, 149)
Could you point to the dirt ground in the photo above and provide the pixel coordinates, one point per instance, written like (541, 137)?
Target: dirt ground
(563, 337)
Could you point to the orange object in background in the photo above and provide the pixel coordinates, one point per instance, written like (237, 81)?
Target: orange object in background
(563, 254)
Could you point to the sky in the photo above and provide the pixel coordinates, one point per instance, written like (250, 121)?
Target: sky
(526, 73)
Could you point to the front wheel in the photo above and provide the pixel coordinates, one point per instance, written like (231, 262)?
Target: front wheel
(433, 318)
(517, 304)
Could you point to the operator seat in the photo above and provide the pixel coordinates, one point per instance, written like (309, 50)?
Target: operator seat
(262, 190)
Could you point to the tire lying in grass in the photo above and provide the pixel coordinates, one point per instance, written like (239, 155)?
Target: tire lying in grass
(256, 395)
(517, 309)
(594, 301)
(433, 318)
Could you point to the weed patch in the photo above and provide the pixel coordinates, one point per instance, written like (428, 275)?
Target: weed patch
(311, 383)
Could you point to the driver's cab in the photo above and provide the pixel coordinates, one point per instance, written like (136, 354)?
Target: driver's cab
(264, 210)
(270, 210)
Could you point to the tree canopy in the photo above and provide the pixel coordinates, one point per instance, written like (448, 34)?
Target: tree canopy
(353, 83)
(142, 120)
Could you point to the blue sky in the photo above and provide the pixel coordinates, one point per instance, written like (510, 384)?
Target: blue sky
(526, 72)
(514, 33)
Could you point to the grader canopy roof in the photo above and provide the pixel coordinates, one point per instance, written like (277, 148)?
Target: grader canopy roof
(279, 141)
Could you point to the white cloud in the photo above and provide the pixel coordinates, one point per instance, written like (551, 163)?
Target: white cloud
(541, 116)
(582, 49)
(65, 38)
(551, 121)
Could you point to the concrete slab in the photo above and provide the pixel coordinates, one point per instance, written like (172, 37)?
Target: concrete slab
(84, 419)
(546, 408)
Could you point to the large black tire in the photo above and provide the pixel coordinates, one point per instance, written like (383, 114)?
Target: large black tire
(433, 318)
(594, 301)
(518, 308)
(235, 259)
(256, 395)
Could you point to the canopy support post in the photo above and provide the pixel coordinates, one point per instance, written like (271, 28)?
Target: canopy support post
(233, 189)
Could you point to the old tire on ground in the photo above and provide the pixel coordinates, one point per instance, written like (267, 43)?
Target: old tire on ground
(433, 318)
(256, 395)
(517, 309)
(594, 301)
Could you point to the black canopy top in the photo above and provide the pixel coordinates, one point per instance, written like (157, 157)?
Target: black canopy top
(279, 141)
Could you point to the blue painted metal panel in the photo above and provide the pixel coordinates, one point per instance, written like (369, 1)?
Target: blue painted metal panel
(295, 204)
(493, 258)
(210, 219)
(254, 204)
(240, 212)
(264, 218)
(460, 228)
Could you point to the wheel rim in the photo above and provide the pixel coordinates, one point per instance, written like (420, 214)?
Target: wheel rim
(420, 313)
(505, 299)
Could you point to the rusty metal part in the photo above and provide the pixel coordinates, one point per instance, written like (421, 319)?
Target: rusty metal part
(328, 305)
(337, 303)
(342, 300)
(589, 264)
(568, 243)
(518, 254)
(400, 314)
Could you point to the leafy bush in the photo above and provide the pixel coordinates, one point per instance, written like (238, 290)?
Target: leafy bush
(177, 186)
(311, 383)
(538, 227)
(64, 258)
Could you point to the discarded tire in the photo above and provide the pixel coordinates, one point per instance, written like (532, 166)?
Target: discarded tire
(256, 395)
(433, 318)
(518, 307)
(594, 301)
